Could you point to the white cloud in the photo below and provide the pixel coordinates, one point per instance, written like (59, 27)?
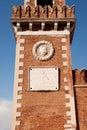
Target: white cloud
(5, 114)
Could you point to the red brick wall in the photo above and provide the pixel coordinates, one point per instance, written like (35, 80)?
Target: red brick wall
(80, 77)
(44, 110)
(80, 89)
(81, 107)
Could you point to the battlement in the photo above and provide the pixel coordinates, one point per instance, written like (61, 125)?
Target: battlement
(79, 77)
(42, 12)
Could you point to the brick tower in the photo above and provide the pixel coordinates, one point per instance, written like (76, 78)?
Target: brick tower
(43, 86)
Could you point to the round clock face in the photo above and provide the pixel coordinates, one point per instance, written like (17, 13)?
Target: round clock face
(43, 50)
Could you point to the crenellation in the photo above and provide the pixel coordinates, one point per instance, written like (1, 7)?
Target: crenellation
(80, 77)
(55, 18)
(43, 12)
(70, 11)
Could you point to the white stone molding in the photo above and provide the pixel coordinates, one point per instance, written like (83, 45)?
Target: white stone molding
(17, 80)
(67, 96)
(48, 33)
(20, 80)
(21, 63)
(83, 85)
(18, 105)
(67, 125)
(22, 41)
(70, 129)
(63, 40)
(17, 123)
(22, 55)
(19, 96)
(20, 71)
(65, 63)
(67, 88)
(65, 79)
(69, 122)
(68, 25)
(67, 104)
(18, 24)
(22, 48)
(70, 113)
(64, 55)
(20, 88)
(64, 48)
(55, 26)
(18, 114)
(30, 26)
(42, 26)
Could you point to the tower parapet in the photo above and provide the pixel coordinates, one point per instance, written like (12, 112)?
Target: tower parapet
(80, 77)
(43, 12)
(35, 17)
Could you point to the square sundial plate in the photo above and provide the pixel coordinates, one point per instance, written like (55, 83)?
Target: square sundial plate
(43, 79)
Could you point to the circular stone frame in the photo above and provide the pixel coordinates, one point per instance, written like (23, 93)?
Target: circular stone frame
(46, 48)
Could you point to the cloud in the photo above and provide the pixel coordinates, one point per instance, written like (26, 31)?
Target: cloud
(5, 114)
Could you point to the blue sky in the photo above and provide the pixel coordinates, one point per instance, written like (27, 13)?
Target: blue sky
(7, 44)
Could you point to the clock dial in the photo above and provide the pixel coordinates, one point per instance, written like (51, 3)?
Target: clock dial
(43, 50)
(43, 78)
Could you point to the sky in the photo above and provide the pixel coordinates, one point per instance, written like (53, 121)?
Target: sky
(7, 52)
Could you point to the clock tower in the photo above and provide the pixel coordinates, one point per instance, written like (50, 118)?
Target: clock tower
(43, 86)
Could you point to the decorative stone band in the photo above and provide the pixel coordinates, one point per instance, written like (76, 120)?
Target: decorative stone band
(70, 124)
(65, 79)
(67, 88)
(64, 48)
(51, 33)
(83, 85)
(64, 56)
(17, 80)
(63, 40)
(65, 63)
(70, 129)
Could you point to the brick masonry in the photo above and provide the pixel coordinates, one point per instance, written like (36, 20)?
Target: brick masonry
(80, 89)
(45, 110)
